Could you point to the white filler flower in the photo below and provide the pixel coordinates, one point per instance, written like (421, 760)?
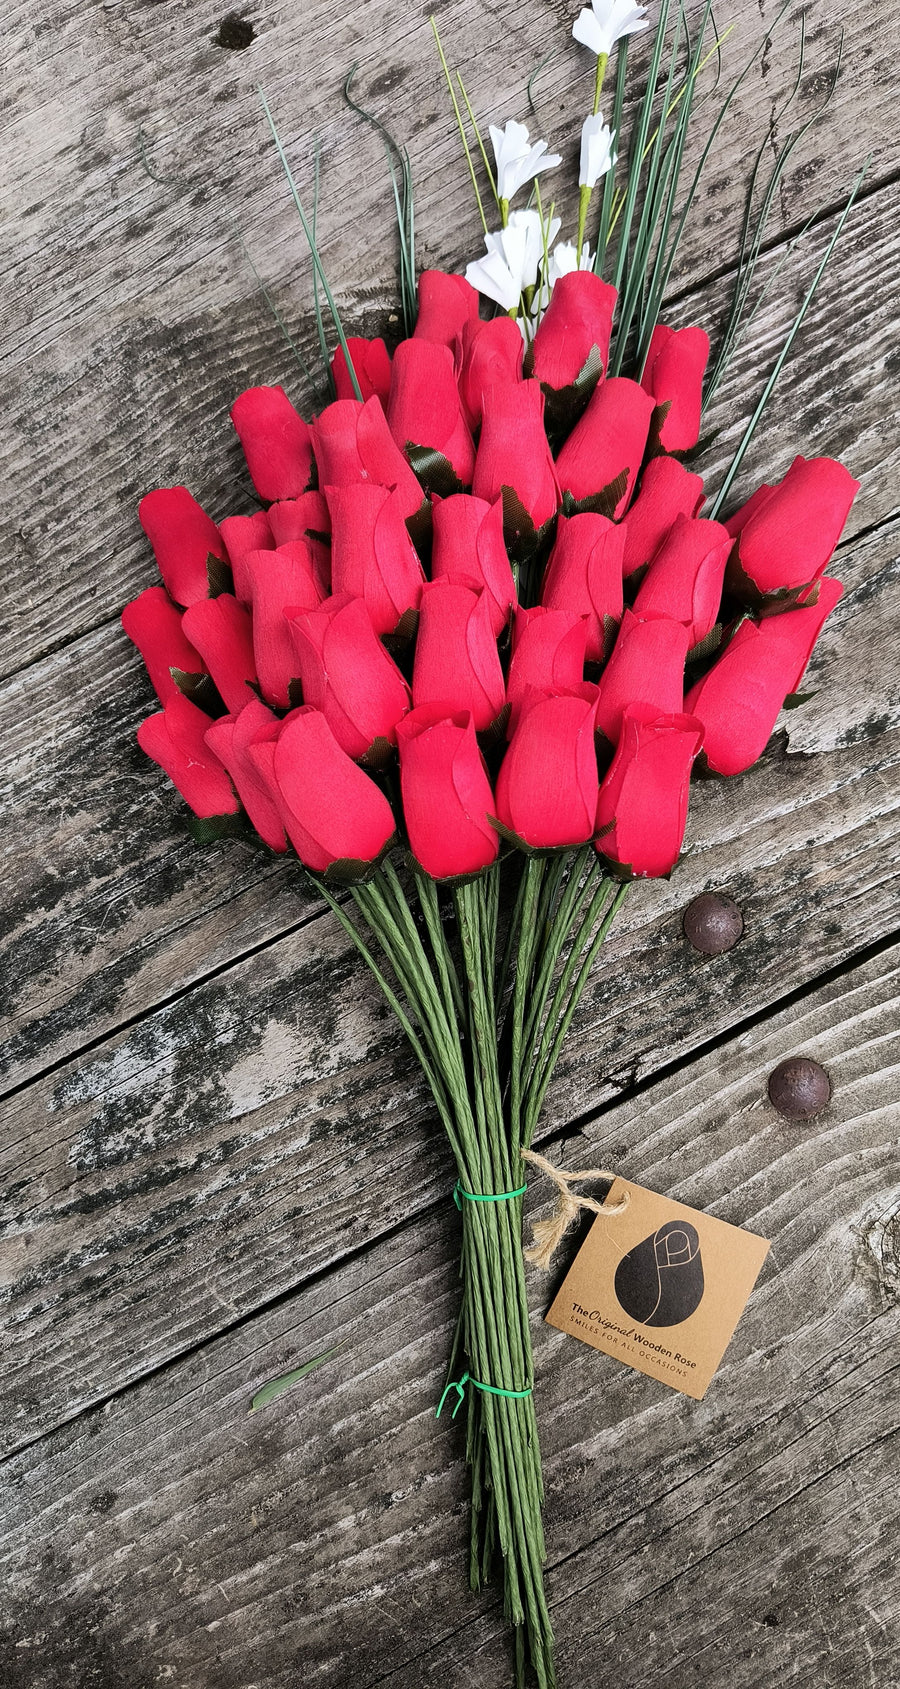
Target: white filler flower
(517, 160)
(564, 259)
(603, 23)
(513, 259)
(597, 155)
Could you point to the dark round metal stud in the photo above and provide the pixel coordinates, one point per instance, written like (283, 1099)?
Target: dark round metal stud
(799, 1088)
(712, 923)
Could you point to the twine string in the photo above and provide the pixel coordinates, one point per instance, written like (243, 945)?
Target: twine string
(548, 1234)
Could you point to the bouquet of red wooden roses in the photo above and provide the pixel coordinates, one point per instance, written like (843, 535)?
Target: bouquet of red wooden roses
(464, 659)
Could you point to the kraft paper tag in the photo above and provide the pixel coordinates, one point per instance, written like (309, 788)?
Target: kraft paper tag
(660, 1287)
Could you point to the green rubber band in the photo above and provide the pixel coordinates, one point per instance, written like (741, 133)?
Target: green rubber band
(475, 1196)
(459, 1385)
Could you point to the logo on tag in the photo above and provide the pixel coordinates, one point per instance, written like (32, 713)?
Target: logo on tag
(660, 1282)
(660, 1287)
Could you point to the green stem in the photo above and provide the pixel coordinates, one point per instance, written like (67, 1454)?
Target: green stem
(584, 197)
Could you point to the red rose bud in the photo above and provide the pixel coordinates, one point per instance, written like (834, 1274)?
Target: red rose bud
(469, 548)
(738, 701)
(578, 318)
(446, 793)
(584, 575)
(241, 535)
(609, 439)
(353, 442)
(222, 632)
(298, 518)
(279, 580)
(685, 579)
(673, 376)
(276, 442)
(446, 303)
(547, 785)
(755, 502)
(645, 793)
(182, 537)
(305, 519)
(456, 662)
(175, 740)
(489, 355)
(372, 555)
(513, 451)
(787, 538)
(667, 490)
(646, 667)
(331, 809)
(230, 738)
(371, 361)
(153, 623)
(548, 655)
(424, 408)
(347, 674)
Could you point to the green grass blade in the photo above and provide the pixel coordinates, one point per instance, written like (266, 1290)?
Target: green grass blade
(749, 259)
(639, 142)
(402, 189)
(459, 122)
(311, 242)
(791, 336)
(277, 1386)
(609, 181)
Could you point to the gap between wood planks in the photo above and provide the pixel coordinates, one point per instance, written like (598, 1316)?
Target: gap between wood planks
(557, 1135)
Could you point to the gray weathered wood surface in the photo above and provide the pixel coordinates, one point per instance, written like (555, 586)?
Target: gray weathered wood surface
(216, 1157)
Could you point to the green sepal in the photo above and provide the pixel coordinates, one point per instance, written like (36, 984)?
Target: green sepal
(564, 406)
(199, 688)
(706, 647)
(434, 470)
(603, 503)
(379, 755)
(418, 525)
(622, 871)
(740, 586)
(403, 635)
(219, 576)
(208, 829)
(795, 700)
(351, 871)
(526, 849)
(655, 447)
(451, 881)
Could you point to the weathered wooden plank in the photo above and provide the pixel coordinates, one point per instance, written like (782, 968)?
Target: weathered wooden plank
(133, 317)
(270, 1119)
(322, 1540)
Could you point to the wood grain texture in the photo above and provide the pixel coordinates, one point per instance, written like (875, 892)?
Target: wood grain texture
(133, 315)
(217, 1157)
(744, 1540)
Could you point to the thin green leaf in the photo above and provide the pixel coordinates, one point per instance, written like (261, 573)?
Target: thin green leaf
(459, 122)
(749, 259)
(790, 337)
(403, 203)
(311, 242)
(609, 180)
(277, 1386)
